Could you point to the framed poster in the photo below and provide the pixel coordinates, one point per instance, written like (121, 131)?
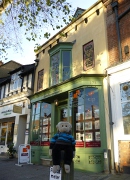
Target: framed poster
(77, 116)
(88, 125)
(97, 136)
(88, 115)
(79, 137)
(97, 124)
(79, 126)
(88, 136)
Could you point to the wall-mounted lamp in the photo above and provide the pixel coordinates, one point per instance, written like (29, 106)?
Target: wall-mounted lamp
(56, 102)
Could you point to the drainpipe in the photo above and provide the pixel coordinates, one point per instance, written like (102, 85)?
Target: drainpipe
(115, 8)
(111, 127)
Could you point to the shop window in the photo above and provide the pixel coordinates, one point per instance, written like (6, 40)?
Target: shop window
(40, 80)
(45, 124)
(125, 104)
(35, 123)
(60, 62)
(41, 124)
(30, 81)
(10, 133)
(84, 105)
(88, 55)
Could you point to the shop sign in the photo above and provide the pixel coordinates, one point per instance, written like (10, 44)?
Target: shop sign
(17, 109)
(79, 144)
(45, 143)
(7, 112)
(56, 175)
(93, 144)
(34, 143)
(24, 153)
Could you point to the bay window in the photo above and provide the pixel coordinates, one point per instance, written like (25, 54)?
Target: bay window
(60, 62)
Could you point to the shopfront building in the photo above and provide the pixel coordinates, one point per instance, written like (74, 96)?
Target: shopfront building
(69, 85)
(82, 105)
(120, 106)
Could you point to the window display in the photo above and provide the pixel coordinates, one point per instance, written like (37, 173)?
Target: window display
(84, 104)
(41, 120)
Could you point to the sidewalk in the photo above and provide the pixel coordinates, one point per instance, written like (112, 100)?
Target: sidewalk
(9, 171)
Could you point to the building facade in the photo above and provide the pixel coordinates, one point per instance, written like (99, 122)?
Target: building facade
(118, 33)
(14, 106)
(69, 85)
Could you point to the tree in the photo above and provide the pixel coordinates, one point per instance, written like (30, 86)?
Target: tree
(31, 18)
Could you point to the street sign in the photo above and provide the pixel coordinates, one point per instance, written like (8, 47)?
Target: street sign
(55, 176)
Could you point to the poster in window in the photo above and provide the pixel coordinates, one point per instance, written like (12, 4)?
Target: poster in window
(79, 137)
(88, 115)
(96, 113)
(88, 125)
(88, 55)
(45, 121)
(88, 136)
(97, 136)
(79, 126)
(97, 124)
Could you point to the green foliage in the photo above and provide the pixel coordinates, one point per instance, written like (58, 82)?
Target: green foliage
(30, 18)
(11, 150)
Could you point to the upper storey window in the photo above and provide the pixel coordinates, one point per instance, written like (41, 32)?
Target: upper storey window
(60, 65)
(16, 82)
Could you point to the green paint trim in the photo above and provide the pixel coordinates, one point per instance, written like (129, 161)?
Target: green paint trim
(76, 82)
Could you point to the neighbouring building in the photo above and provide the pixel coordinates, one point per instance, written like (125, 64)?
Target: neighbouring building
(69, 85)
(5, 68)
(118, 33)
(15, 105)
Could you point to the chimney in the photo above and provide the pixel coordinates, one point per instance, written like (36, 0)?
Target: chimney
(1, 63)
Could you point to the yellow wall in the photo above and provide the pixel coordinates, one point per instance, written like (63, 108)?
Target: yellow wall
(94, 30)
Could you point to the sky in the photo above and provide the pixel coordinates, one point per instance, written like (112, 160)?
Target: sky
(27, 55)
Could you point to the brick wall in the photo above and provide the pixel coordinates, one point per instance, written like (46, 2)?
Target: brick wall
(124, 26)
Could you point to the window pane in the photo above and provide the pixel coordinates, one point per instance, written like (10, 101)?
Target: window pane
(125, 104)
(40, 80)
(125, 91)
(30, 81)
(45, 123)
(66, 64)
(55, 68)
(126, 117)
(66, 58)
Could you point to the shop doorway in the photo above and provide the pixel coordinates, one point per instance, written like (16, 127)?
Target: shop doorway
(6, 133)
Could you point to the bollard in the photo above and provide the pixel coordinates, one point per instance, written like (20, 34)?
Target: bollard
(67, 176)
